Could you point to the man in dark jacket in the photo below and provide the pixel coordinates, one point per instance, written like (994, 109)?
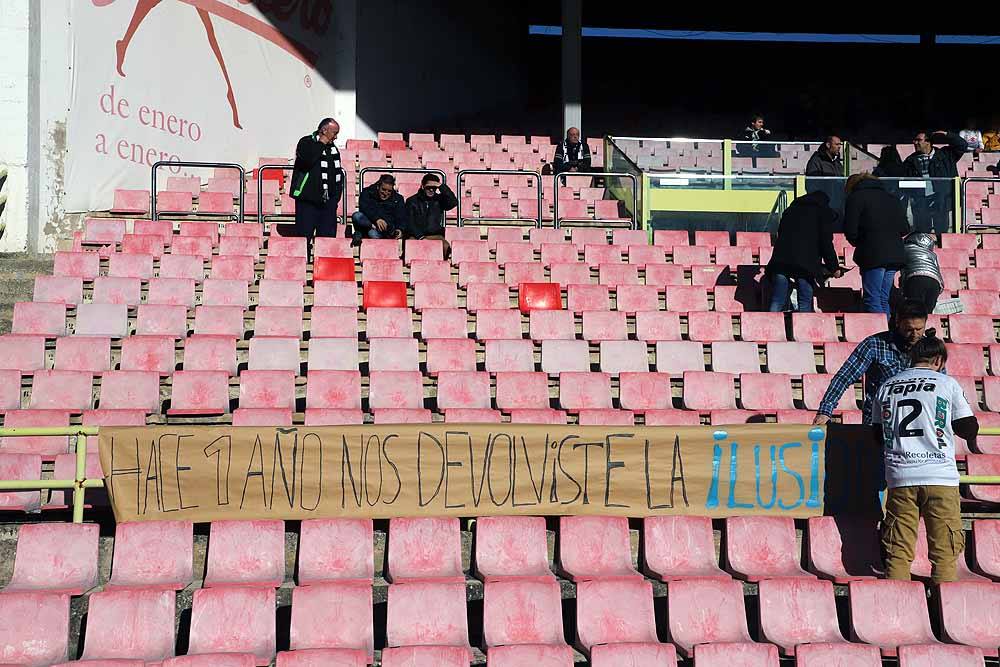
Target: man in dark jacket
(381, 211)
(803, 252)
(317, 181)
(826, 160)
(425, 210)
(573, 154)
(933, 205)
(875, 224)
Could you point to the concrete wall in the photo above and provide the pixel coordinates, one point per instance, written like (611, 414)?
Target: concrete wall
(14, 120)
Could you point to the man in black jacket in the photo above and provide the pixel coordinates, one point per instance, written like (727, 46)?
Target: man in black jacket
(803, 252)
(425, 210)
(933, 205)
(317, 182)
(826, 160)
(381, 211)
(573, 154)
(875, 224)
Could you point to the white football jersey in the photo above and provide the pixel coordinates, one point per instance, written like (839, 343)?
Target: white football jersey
(916, 409)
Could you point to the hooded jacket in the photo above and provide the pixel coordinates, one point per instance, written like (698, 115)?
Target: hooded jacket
(918, 249)
(804, 247)
(875, 224)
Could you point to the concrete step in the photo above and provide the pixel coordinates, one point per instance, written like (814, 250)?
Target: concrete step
(24, 266)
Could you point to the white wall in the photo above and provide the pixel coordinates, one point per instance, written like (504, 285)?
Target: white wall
(14, 120)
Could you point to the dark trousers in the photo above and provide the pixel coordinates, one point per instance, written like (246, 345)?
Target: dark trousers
(922, 289)
(315, 219)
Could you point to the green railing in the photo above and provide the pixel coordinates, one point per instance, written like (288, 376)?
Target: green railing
(78, 485)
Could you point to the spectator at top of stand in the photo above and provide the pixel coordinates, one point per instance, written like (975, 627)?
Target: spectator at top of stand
(991, 140)
(972, 136)
(572, 154)
(890, 164)
(756, 134)
(826, 160)
(930, 162)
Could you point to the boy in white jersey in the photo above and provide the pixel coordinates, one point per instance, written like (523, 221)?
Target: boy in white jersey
(917, 415)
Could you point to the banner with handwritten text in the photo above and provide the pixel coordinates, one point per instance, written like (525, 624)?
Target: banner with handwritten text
(209, 473)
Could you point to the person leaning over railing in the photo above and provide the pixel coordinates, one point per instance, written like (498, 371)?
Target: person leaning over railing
(876, 358)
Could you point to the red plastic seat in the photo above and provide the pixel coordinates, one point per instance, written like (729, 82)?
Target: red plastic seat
(246, 553)
(704, 611)
(798, 611)
(380, 294)
(762, 547)
(444, 323)
(840, 655)
(594, 547)
(580, 298)
(551, 325)
(522, 612)
(336, 617)
(930, 656)
(58, 289)
(680, 547)
(333, 268)
(539, 296)
(889, 614)
(130, 624)
(615, 611)
(35, 629)
(335, 551)
(55, 558)
(427, 614)
(233, 620)
(842, 548)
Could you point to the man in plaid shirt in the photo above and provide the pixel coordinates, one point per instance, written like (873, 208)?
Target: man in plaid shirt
(878, 358)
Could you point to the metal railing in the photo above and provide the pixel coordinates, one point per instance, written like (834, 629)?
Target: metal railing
(261, 216)
(199, 165)
(78, 485)
(498, 172)
(969, 216)
(599, 174)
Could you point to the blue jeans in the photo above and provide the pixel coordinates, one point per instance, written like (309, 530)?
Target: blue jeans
(364, 226)
(781, 286)
(877, 284)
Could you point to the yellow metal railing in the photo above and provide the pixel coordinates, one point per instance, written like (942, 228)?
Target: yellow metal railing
(78, 485)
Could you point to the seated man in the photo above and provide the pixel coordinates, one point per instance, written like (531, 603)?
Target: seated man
(425, 210)
(381, 211)
(573, 154)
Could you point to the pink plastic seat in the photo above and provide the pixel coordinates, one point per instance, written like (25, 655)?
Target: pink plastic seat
(602, 253)
(62, 390)
(48, 446)
(766, 391)
(162, 320)
(516, 273)
(10, 389)
(976, 329)
(380, 249)
(425, 656)
(657, 326)
(210, 353)
(145, 244)
(129, 265)
(126, 291)
(513, 252)
(246, 553)
(636, 298)
(710, 327)
(666, 275)
(393, 354)
(85, 265)
(624, 356)
(930, 656)
(791, 358)
(130, 624)
(762, 327)
(35, 630)
(814, 387)
(762, 547)
(278, 321)
(601, 325)
(889, 614)
(487, 296)
(285, 268)
(333, 354)
(335, 551)
(55, 558)
(538, 655)
(430, 271)
(522, 612)
(986, 547)
(814, 327)
(333, 616)
(101, 319)
(798, 611)
(220, 292)
(584, 390)
(79, 353)
(686, 298)
(130, 201)
(569, 273)
(615, 611)
(447, 355)
(334, 322)
(551, 325)
(23, 354)
(275, 354)
(427, 295)
(280, 293)
(511, 548)
(233, 267)
(130, 390)
(708, 391)
(969, 614)
(858, 326)
(593, 547)
(233, 620)
(427, 614)
(966, 360)
(644, 391)
(498, 325)
(39, 319)
(424, 549)
(562, 356)
(200, 393)
(396, 390)
(152, 555)
(580, 298)
(843, 549)
(705, 611)
(680, 547)
(986, 465)
(267, 389)
(840, 655)
(468, 390)
(444, 323)
(20, 467)
(197, 246)
(389, 323)
(58, 289)
(382, 269)
(522, 390)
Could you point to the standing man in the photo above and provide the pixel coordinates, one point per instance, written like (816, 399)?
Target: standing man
(877, 358)
(826, 160)
(573, 154)
(933, 206)
(317, 182)
(917, 415)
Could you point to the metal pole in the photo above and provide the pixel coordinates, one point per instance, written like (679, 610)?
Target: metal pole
(199, 165)
(498, 172)
(600, 174)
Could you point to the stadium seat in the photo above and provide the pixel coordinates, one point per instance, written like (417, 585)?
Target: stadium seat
(967, 360)
(333, 268)
(101, 319)
(798, 611)
(645, 255)
(219, 321)
(580, 298)
(559, 253)
(425, 656)
(539, 296)
(46, 446)
(705, 611)
(130, 624)
(126, 291)
(248, 246)
(979, 302)
(487, 296)
(85, 265)
(766, 391)
(671, 237)
(835, 354)
(285, 268)
(538, 655)
(712, 275)
(498, 325)
(287, 246)
(152, 555)
(198, 246)
(695, 255)
(686, 298)
(39, 319)
(10, 389)
(130, 390)
(735, 357)
(762, 327)
(333, 616)
(246, 553)
(199, 393)
(209, 353)
(80, 353)
(225, 292)
(979, 464)
(986, 547)
(233, 620)
(814, 387)
(129, 265)
(55, 558)
(162, 320)
(389, 323)
(379, 294)
(267, 389)
(450, 354)
(623, 356)
(569, 274)
(522, 391)
(339, 322)
(233, 267)
(814, 327)
(602, 253)
(516, 273)
(62, 390)
(382, 269)
(665, 275)
(930, 655)
(333, 396)
(426, 271)
(679, 547)
(509, 355)
(583, 390)
(130, 202)
(444, 323)
(399, 390)
(478, 272)
(792, 358)
(509, 548)
(710, 327)
(561, 356)
(708, 391)
(889, 614)
(842, 655)
(393, 354)
(637, 298)
(615, 611)
(968, 614)
(16, 466)
(335, 551)
(520, 612)
(35, 629)
(274, 354)
(551, 325)
(983, 278)
(655, 326)
(974, 329)
(58, 289)
(595, 547)
(191, 267)
(427, 614)
(278, 321)
(513, 252)
(428, 295)
(762, 547)
(842, 548)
